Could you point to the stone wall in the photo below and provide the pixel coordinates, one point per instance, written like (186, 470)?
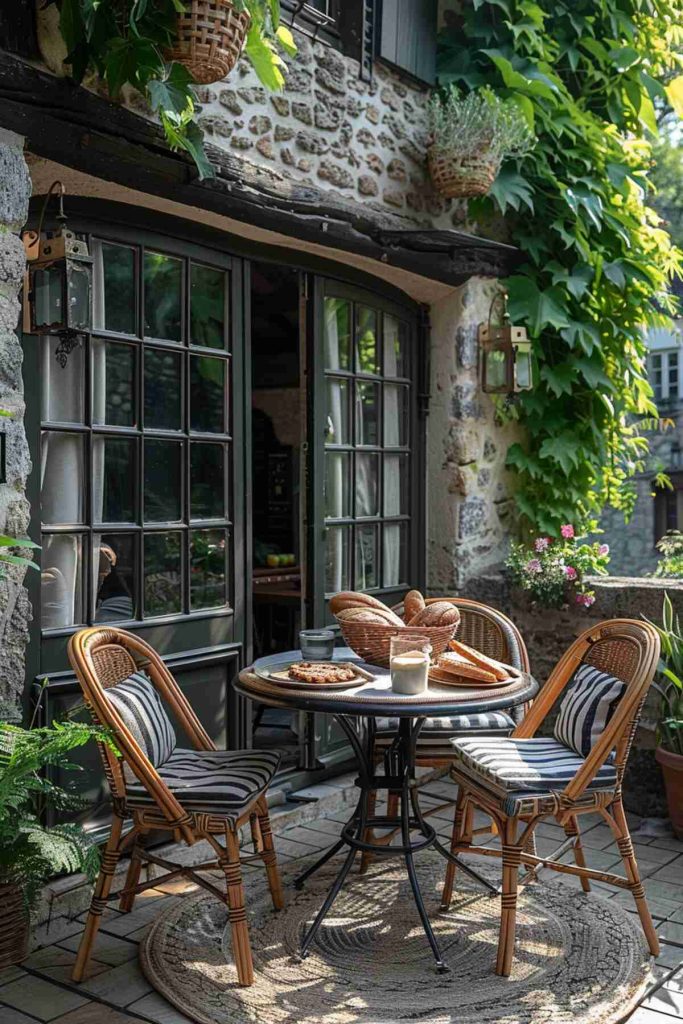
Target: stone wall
(15, 612)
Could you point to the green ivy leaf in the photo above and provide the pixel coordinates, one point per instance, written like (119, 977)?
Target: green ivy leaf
(624, 57)
(563, 449)
(540, 308)
(511, 189)
(559, 378)
(265, 60)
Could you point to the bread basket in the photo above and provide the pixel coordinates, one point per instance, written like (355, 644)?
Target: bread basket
(371, 640)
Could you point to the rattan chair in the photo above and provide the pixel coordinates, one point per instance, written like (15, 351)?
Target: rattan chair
(492, 633)
(102, 658)
(622, 648)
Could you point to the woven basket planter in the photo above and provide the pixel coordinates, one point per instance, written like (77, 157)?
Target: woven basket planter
(14, 923)
(209, 39)
(461, 179)
(371, 641)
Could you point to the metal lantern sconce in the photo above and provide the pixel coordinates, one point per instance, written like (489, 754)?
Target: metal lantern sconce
(58, 298)
(505, 354)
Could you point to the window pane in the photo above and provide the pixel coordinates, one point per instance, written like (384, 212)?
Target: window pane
(208, 580)
(114, 478)
(367, 350)
(163, 580)
(396, 469)
(367, 485)
(62, 386)
(367, 413)
(337, 485)
(337, 334)
(207, 306)
(395, 415)
(337, 559)
(62, 476)
(367, 567)
(113, 384)
(395, 554)
(207, 394)
(114, 306)
(62, 581)
(163, 289)
(207, 481)
(163, 390)
(395, 347)
(114, 569)
(337, 426)
(163, 481)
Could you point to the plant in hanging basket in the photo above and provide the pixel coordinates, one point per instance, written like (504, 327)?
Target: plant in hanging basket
(471, 136)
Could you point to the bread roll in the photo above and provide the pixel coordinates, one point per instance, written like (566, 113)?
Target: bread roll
(439, 675)
(413, 603)
(457, 665)
(381, 616)
(499, 671)
(441, 613)
(353, 599)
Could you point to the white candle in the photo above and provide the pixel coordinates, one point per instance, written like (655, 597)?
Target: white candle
(409, 672)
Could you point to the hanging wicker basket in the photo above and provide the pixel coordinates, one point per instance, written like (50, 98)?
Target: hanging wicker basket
(209, 39)
(461, 179)
(13, 924)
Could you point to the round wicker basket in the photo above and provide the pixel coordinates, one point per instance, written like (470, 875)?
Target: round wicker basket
(13, 924)
(209, 39)
(370, 640)
(460, 179)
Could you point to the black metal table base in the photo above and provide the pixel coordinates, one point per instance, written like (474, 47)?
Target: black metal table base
(399, 777)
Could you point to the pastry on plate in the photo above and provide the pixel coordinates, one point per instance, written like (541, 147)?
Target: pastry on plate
(321, 672)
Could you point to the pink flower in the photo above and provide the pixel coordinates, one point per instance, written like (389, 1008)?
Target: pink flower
(585, 599)
(534, 565)
(541, 544)
(567, 531)
(603, 549)
(570, 572)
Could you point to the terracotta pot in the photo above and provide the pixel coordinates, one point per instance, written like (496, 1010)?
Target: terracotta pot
(14, 923)
(672, 770)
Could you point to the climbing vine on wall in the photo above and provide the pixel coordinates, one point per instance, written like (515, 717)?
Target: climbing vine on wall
(590, 76)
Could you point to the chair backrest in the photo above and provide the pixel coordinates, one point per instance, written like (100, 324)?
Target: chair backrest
(625, 648)
(102, 657)
(489, 631)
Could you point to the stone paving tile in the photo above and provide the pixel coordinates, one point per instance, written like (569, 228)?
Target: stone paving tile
(643, 1015)
(672, 932)
(108, 949)
(40, 997)
(121, 985)
(672, 872)
(653, 853)
(8, 1015)
(302, 835)
(8, 974)
(56, 963)
(154, 1008)
(665, 1000)
(96, 1013)
(597, 838)
(123, 924)
(669, 956)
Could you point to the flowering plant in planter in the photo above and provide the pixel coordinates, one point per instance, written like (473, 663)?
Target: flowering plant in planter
(553, 570)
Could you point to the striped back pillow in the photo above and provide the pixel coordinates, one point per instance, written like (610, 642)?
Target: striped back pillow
(140, 707)
(588, 704)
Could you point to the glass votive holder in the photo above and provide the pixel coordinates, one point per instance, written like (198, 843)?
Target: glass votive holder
(409, 658)
(316, 644)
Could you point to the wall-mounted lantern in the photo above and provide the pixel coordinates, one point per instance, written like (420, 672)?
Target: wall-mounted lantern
(505, 353)
(58, 299)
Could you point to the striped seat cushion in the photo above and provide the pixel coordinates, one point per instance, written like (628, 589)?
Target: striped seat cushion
(436, 733)
(224, 782)
(589, 702)
(537, 763)
(140, 707)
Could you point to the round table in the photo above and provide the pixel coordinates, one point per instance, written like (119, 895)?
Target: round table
(356, 710)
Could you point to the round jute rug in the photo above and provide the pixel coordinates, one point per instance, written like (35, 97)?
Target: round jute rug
(578, 958)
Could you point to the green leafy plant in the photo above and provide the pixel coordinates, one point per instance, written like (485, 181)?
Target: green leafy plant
(123, 41)
(598, 263)
(671, 548)
(29, 851)
(669, 682)
(477, 124)
(553, 572)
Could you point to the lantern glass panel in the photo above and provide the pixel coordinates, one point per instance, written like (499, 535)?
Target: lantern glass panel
(78, 295)
(495, 370)
(522, 369)
(47, 297)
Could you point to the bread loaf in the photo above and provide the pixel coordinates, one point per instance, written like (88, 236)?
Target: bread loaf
(413, 603)
(441, 613)
(499, 671)
(353, 599)
(457, 665)
(439, 675)
(381, 616)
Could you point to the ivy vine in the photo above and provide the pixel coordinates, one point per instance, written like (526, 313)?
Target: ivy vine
(590, 77)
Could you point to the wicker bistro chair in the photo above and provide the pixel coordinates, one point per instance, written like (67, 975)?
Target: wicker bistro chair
(522, 779)
(492, 633)
(195, 794)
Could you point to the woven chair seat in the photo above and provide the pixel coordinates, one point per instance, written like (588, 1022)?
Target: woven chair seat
(537, 763)
(223, 782)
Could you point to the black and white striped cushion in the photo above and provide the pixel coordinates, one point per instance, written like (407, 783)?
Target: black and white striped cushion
(436, 730)
(222, 781)
(587, 706)
(536, 763)
(140, 707)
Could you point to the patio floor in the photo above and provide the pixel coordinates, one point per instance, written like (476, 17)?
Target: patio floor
(116, 992)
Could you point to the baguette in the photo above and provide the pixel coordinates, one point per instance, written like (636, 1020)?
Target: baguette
(441, 613)
(413, 603)
(353, 599)
(460, 666)
(439, 675)
(499, 671)
(380, 616)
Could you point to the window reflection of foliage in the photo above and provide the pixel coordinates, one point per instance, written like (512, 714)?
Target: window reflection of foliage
(367, 341)
(162, 573)
(338, 327)
(162, 296)
(207, 386)
(118, 269)
(207, 579)
(207, 311)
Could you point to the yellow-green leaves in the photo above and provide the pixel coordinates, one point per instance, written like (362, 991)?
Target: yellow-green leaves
(674, 92)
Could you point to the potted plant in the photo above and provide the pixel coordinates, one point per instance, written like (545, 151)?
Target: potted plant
(30, 852)
(669, 685)
(470, 137)
(553, 571)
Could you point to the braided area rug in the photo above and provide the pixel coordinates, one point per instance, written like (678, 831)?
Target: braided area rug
(578, 958)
